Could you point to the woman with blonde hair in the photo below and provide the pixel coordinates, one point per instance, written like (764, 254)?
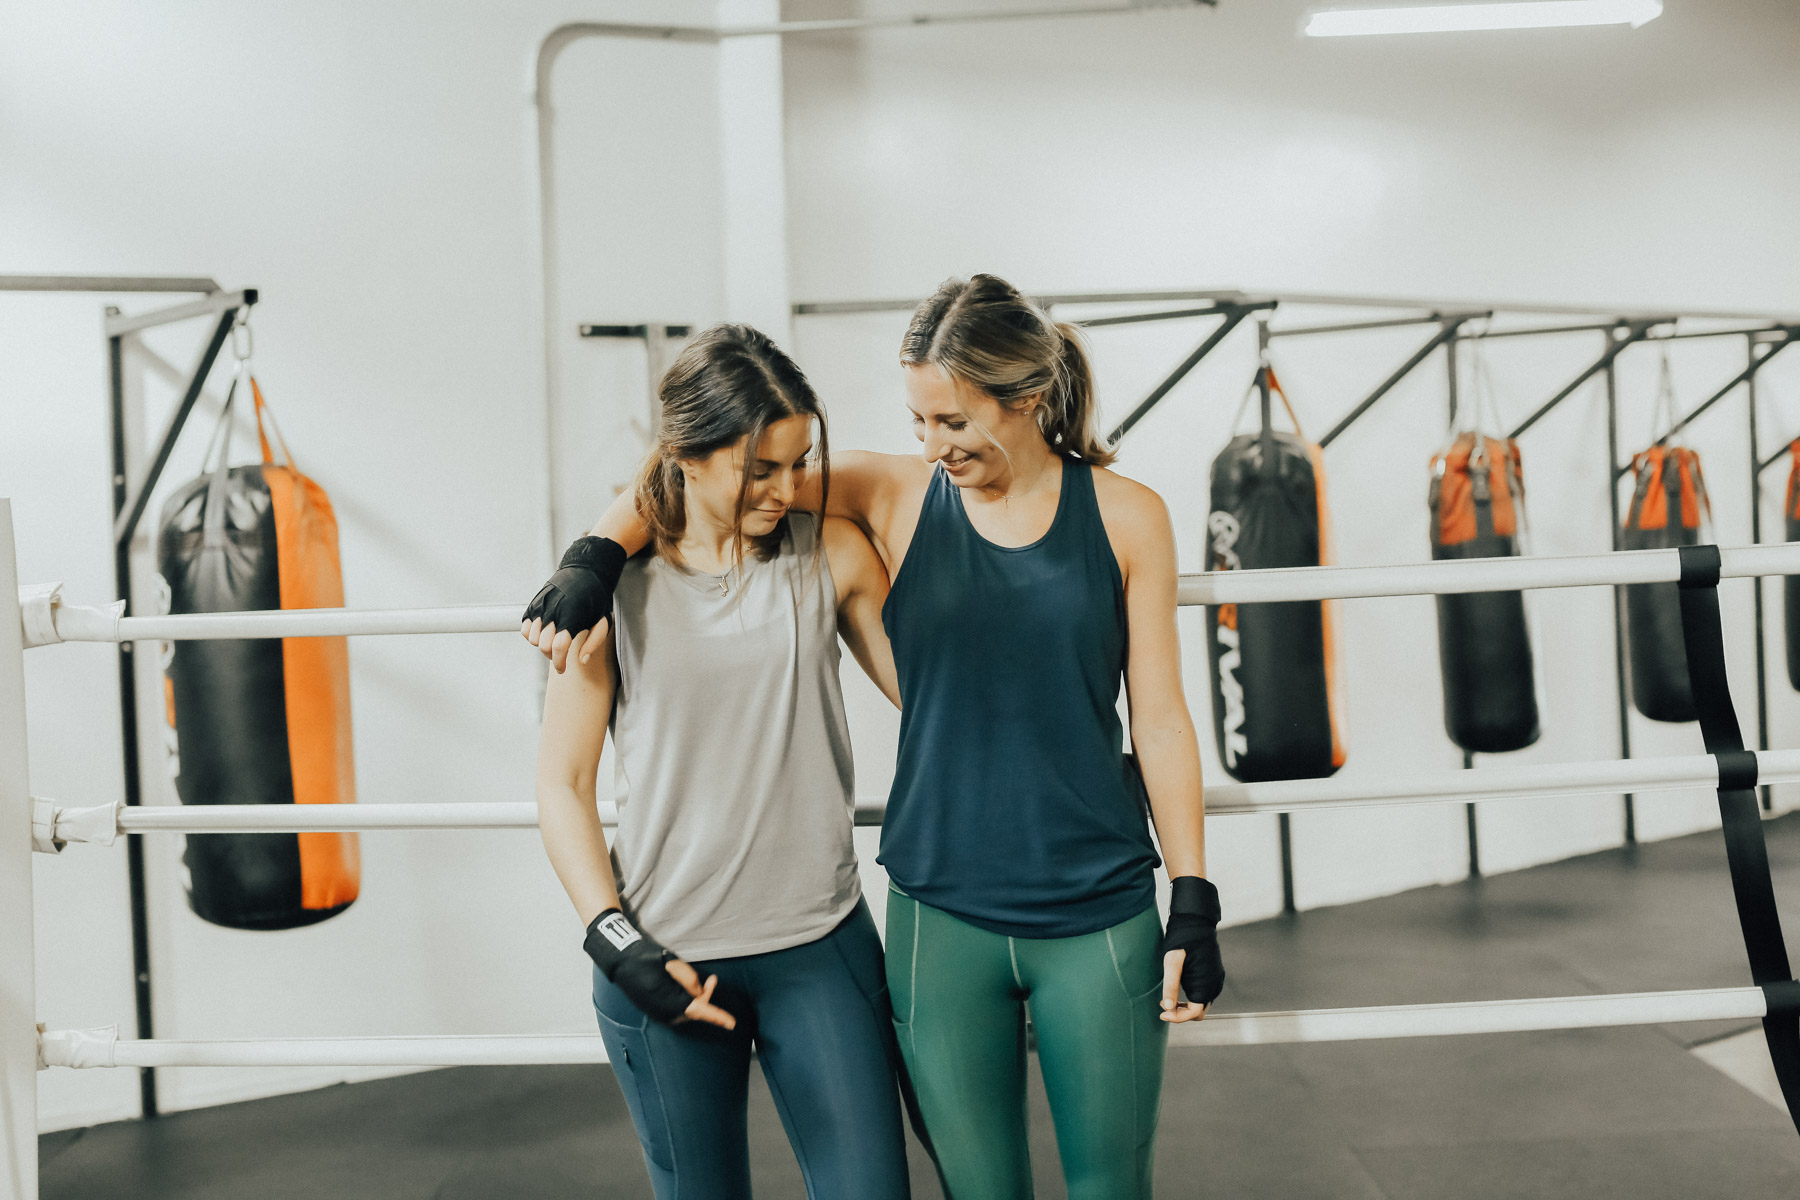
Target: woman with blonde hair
(1029, 584)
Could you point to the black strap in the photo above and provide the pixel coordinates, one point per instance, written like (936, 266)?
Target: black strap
(1703, 637)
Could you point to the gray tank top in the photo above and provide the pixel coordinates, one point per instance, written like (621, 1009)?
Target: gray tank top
(733, 779)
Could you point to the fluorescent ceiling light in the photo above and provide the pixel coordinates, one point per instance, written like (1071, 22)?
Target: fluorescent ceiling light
(1452, 18)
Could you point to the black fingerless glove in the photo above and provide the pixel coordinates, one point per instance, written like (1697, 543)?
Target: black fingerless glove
(580, 593)
(634, 962)
(1194, 927)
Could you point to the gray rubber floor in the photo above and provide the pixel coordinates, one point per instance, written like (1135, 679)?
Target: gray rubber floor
(1589, 1114)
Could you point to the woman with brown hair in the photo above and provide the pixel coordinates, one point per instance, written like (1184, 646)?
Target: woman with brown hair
(1029, 583)
(719, 680)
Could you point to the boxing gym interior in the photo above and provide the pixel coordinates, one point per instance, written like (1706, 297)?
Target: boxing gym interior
(1495, 681)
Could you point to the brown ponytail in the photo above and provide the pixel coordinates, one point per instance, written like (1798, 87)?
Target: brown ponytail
(661, 501)
(982, 331)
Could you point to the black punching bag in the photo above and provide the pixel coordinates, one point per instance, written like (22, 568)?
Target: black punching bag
(1273, 669)
(264, 720)
(1477, 507)
(1669, 508)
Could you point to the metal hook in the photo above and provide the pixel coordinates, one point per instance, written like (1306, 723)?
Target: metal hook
(243, 339)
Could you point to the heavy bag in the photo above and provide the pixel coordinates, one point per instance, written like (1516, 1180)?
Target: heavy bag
(259, 721)
(1477, 500)
(1790, 586)
(1273, 665)
(1669, 508)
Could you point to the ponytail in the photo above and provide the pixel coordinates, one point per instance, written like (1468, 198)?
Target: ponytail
(1069, 416)
(661, 502)
(982, 331)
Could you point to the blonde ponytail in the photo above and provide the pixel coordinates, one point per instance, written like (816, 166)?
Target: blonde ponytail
(1071, 420)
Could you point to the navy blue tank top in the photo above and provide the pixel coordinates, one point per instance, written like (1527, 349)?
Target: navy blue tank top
(1011, 807)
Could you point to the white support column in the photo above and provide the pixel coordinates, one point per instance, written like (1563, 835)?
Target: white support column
(18, 987)
(754, 171)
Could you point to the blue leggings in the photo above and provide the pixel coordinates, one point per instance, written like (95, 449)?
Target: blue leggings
(820, 1023)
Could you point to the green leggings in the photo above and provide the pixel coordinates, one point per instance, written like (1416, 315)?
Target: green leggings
(960, 995)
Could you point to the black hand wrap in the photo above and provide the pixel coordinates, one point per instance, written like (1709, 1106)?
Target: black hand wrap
(580, 593)
(634, 962)
(1194, 927)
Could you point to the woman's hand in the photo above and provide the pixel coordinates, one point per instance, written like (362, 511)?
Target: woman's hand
(557, 645)
(701, 1007)
(1190, 946)
(660, 985)
(576, 601)
(1175, 1010)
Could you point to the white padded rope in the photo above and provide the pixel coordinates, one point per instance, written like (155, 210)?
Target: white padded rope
(74, 623)
(102, 823)
(1481, 1016)
(1474, 575)
(104, 1048)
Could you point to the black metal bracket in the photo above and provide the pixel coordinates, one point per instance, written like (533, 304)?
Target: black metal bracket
(1791, 335)
(1742, 377)
(131, 509)
(633, 331)
(1234, 313)
(1635, 331)
(128, 510)
(1450, 323)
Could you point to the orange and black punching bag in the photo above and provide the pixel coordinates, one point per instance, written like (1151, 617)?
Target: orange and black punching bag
(259, 721)
(1477, 504)
(1791, 585)
(1273, 668)
(1669, 508)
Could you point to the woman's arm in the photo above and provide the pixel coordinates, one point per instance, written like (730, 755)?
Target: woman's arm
(1162, 730)
(862, 588)
(864, 486)
(577, 707)
(859, 481)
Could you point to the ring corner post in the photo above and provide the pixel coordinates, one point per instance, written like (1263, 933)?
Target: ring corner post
(18, 989)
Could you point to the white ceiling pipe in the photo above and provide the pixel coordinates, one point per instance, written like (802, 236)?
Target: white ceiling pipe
(103, 1047)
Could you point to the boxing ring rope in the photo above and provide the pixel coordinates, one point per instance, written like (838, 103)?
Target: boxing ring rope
(104, 1048)
(48, 619)
(44, 619)
(104, 823)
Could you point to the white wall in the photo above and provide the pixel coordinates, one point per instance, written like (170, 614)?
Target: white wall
(373, 170)
(1218, 149)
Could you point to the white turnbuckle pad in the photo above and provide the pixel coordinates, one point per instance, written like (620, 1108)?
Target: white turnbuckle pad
(77, 1047)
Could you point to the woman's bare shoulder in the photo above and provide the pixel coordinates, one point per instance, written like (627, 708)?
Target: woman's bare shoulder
(1128, 498)
(1136, 519)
